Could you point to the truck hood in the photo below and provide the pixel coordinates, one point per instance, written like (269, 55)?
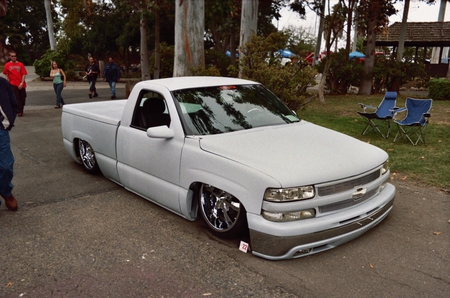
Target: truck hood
(302, 153)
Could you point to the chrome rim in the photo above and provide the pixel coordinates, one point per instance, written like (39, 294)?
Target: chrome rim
(87, 155)
(220, 209)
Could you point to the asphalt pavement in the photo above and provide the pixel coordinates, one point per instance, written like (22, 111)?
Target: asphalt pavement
(81, 235)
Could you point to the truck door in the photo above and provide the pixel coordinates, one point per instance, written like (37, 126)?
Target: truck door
(150, 166)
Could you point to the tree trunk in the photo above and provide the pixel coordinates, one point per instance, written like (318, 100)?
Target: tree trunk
(50, 31)
(233, 48)
(401, 41)
(365, 88)
(189, 33)
(157, 63)
(249, 25)
(3, 7)
(436, 50)
(145, 74)
(319, 36)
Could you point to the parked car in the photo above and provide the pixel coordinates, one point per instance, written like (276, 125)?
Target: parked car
(229, 151)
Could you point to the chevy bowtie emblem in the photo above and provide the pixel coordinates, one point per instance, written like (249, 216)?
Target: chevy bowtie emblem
(358, 194)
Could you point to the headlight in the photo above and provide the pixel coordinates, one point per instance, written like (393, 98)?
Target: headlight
(385, 169)
(289, 216)
(289, 194)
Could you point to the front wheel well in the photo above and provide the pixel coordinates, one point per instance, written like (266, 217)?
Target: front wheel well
(223, 213)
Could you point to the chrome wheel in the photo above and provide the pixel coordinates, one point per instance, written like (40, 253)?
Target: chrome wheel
(222, 212)
(87, 156)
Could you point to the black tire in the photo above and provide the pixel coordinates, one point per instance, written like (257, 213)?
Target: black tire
(223, 213)
(87, 156)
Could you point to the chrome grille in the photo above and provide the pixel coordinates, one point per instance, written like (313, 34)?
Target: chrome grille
(346, 185)
(347, 203)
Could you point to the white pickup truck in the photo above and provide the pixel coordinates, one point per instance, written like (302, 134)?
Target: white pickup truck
(231, 152)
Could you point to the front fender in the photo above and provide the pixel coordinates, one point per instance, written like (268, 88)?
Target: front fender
(246, 184)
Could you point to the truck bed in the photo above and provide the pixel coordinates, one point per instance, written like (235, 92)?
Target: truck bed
(109, 112)
(96, 123)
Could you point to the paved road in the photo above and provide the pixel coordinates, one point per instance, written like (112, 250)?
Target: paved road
(80, 235)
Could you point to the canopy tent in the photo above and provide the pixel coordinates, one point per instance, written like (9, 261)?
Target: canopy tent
(356, 55)
(286, 53)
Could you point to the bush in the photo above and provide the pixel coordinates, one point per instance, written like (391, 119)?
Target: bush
(42, 66)
(343, 72)
(439, 89)
(218, 60)
(288, 82)
(390, 74)
(210, 71)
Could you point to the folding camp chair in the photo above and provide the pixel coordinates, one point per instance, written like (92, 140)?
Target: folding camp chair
(382, 114)
(415, 122)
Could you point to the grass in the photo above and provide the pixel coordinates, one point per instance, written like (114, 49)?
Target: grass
(427, 163)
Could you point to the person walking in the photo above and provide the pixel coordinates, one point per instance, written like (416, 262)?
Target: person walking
(92, 71)
(8, 112)
(59, 82)
(15, 73)
(111, 74)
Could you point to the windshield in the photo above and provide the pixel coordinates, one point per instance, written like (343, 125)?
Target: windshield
(214, 110)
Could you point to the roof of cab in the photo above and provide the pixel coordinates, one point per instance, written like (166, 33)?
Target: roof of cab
(178, 83)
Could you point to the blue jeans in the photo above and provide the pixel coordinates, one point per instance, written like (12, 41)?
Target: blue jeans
(58, 90)
(6, 164)
(112, 87)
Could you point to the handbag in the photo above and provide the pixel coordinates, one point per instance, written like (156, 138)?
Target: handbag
(62, 77)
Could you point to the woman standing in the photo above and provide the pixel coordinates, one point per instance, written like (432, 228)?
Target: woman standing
(59, 82)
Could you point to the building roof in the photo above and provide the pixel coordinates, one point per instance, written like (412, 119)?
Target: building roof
(418, 34)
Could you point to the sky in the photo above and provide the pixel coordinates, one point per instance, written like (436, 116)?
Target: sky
(418, 12)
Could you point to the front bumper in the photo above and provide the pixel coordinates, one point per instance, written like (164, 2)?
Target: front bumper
(275, 247)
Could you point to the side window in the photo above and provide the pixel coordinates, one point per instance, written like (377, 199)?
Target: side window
(151, 110)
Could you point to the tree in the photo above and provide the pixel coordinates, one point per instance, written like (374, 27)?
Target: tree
(249, 24)
(376, 14)
(332, 26)
(50, 31)
(23, 29)
(189, 32)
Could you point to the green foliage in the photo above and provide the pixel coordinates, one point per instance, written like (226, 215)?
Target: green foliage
(288, 82)
(42, 66)
(439, 89)
(391, 74)
(343, 72)
(24, 28)
(299, 40)
(218, 60)
(166, 61)
(210, 71)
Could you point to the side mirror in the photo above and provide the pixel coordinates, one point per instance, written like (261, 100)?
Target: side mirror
(160, 132)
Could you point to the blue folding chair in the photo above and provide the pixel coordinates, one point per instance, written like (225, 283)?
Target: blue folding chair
(382, 114)
(415, 123)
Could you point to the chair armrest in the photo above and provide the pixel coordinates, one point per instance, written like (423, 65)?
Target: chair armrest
(398, 110)
(364, 107)
(427, 115)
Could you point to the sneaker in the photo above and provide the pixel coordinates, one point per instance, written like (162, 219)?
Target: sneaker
(90, 95)
(95, 94)
(112, 96)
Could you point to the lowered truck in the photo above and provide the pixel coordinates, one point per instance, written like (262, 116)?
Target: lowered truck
(230, 152)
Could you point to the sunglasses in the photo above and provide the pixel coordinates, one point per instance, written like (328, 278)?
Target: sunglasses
(12, 56)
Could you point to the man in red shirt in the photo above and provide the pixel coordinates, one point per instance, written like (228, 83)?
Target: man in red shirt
(15, 72)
